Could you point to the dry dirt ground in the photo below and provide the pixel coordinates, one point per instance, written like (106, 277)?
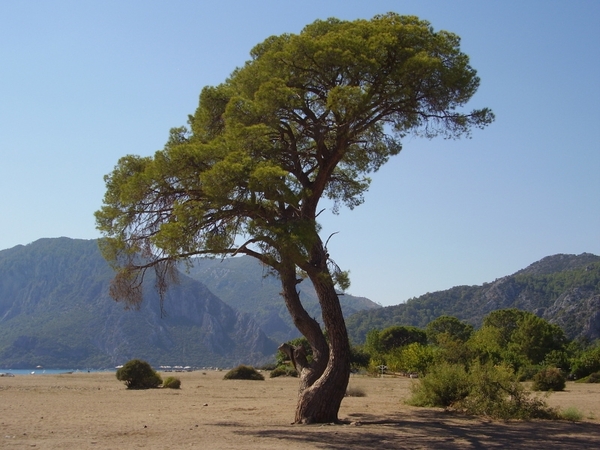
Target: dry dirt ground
(96, 411)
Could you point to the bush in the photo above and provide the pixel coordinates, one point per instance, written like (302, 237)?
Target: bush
(284, 371)
(495, 392)
(526, 373)
(172, 383)
(443, 386)
(573, 414)
(593, 378)
(242, 372)
(587, 362)
(549, 379)
(138, 374)
(485, 390)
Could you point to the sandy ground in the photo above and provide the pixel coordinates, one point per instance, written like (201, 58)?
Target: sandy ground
(96, 411)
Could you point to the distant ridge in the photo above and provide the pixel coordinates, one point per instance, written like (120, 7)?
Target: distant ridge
(55, 311)
(246, 285)
(563, 289)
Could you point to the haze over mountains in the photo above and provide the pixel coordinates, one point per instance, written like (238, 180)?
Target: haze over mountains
(55, 310)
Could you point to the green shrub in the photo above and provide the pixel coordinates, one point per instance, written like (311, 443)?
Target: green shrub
(138, 374)
(526, 373)
(587, 362)
(549, 379)
(443, 386)
(495, 392)
(594, 378)
(573, 414)
(484, 390)
(283, 371)
(172, 383)
(242, 372)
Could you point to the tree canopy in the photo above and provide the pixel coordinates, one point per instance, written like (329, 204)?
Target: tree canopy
(307, 118)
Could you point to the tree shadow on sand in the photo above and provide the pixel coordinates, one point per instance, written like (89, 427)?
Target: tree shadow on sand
(434, 429)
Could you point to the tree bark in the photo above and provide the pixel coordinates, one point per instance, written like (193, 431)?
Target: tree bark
(310, 329)
(323, 382)
(320, 403)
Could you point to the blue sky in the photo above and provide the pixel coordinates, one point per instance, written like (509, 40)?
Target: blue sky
(83, 83)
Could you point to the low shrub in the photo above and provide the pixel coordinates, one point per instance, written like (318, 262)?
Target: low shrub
(283, 371)
(526, 373)
(443, 386)
(594, 378)
(242, 372)
(549, 379)
(484, 390)
(495, 392)
(573, 414)
(172, 383)
(138, 374)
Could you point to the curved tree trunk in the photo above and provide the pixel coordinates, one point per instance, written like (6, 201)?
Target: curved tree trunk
(323, 383)
(320, 403)
(309, 328)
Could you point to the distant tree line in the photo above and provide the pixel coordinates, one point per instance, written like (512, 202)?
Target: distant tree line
(517, 339)
(539, 290)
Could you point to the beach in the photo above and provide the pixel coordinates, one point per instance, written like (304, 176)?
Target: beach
(95, 411)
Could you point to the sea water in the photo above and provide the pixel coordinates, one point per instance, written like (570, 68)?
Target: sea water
(40, 371)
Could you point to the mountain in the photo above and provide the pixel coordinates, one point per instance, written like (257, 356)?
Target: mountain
(563, 289)
(55, 311)
(248, 286)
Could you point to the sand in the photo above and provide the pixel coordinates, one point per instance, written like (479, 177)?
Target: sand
(96, 411)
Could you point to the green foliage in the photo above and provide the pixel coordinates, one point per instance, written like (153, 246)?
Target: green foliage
(587, 362)
(172, 383)
(399, 336)
(359, 358)
(484, 390)
(442, 387)
(452, 350)
(415, 357)
(283, 371)
(518, 338)
(448, 328)
(308, 117)
(572, 414)
(243, 372)
(495, 392)
(373, 344)
(593, 378)
(549, 379)
(375, 364)
(551, 286)
(527, 289)
(138, 374)
(526, 373)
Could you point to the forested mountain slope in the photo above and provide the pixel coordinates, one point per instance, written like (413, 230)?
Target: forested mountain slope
(246, 285)
(563, 289)
(55, 311)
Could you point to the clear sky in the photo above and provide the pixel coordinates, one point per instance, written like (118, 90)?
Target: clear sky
(83, 83)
